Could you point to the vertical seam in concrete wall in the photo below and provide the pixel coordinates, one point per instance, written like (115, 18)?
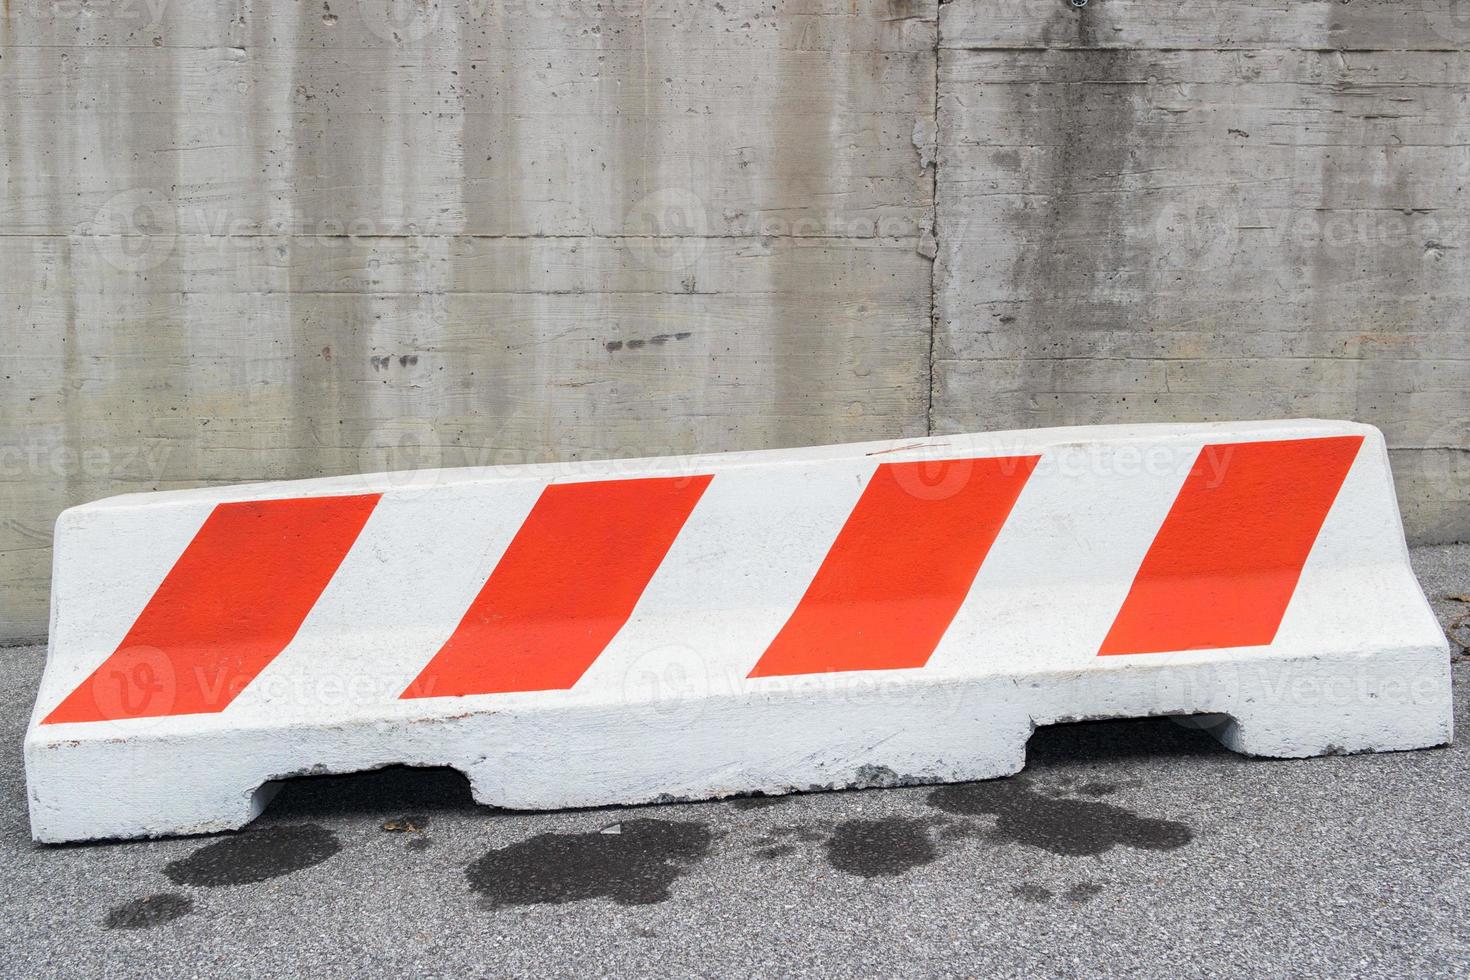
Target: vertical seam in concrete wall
(934, 218)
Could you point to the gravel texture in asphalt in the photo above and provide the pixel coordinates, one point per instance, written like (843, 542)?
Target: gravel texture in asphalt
(1134, 847)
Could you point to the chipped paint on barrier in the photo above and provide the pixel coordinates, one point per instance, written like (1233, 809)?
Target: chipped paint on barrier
(874, 614)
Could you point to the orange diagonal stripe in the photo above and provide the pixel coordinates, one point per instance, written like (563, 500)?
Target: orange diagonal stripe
(565, 586)
(1226, 561)
(227, 608)
(900, 567)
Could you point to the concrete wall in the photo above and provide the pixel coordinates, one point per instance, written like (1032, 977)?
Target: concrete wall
(1250, 208)
(284, 238)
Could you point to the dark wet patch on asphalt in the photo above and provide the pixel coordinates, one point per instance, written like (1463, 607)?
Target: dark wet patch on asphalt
(149, 911)
(254, 856)
(959, 830)
(880, 848)
(1068, 786)
(1098, 789)
(1062, 826)
(421, 843)
(1083, 891)
(1032, 893)
(1038, 895)
(633, 865)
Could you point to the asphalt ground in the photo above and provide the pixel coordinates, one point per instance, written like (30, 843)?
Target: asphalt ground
(1134, 847)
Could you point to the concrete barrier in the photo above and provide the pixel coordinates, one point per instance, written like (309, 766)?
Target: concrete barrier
(653, 630)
